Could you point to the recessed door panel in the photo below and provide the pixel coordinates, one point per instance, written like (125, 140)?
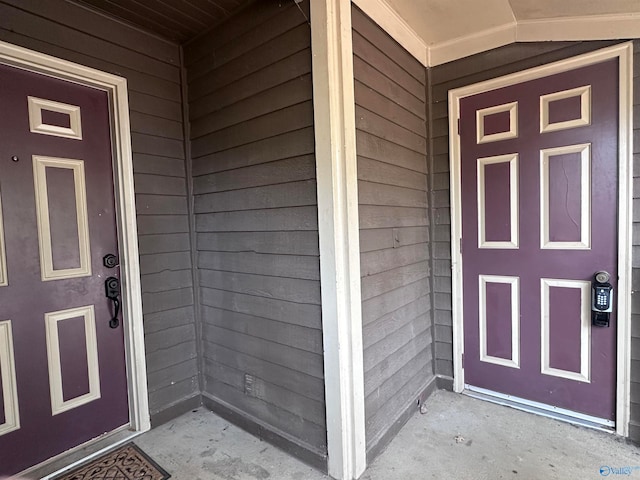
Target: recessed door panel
(4, 279)
(10, 418)
(63, 226)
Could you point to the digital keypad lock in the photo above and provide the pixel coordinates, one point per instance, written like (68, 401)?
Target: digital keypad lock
(601, 300)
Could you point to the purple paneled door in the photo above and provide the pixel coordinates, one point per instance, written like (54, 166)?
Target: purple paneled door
(62, 369)
(539, 218)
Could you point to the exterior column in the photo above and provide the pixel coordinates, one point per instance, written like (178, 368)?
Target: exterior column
(337, 183)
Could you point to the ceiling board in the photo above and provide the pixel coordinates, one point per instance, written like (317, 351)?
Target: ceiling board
(177, 20)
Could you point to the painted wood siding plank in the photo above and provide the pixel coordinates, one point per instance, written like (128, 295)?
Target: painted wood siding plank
(376, 148)
(269, 393)
(371, 54)
(289, 145)
(173, 374)
(383, 238)
(176, 242)
(270, 196)
(278, 219)
(291, 379)
(267, 54)
(284, 355)
(158, 224)
(151, 164)
(390, 195)
(286, 243)
(292, 67)
(372, 32)
(377, 284)
(229, 30)
(288, 18)
(308, 434)
(393, 258)
(167, 281)
(381, 305)
(161, 359)
(170, 337)
(172, 394)
(157, 302)
(381, 127)
(384, 173)
(155, 322)
(302, 314)
(160, 185)
(385, 350)
(374, 216)
(372, 78)
(288, 289)
(154, 145)
(385, 326)
(154, 105)
(165, 261)
(161, 205)
(156, 126)
(389, 389)
(264, 174)
(373, 101)
(285, 95)
(377, 423)
(378, 373)
(309, 340)
(275, 123)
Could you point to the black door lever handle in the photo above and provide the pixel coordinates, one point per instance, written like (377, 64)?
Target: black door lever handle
(112, 292)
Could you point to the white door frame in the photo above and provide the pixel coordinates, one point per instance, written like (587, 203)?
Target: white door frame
(116, 88)
(624, 52)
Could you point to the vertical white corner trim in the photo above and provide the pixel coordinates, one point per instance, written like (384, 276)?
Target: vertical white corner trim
(336, 167)
(116, 88)
(624, 53)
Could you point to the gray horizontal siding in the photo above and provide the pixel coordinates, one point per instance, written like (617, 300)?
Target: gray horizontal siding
(255, 204)
(390, 94)
(152, 69)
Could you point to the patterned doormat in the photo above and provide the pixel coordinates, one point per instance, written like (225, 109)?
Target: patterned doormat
(125, 463)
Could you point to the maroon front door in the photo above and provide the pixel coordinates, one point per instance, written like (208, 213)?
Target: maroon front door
(62, 368)
(539, 217)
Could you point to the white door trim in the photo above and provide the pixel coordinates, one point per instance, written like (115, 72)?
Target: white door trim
(624, 52)
(116, 87)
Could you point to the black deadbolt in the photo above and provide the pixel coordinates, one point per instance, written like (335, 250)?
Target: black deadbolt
(110, 260)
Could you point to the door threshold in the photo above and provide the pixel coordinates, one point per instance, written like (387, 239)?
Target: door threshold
(544, 410)
(71, 459)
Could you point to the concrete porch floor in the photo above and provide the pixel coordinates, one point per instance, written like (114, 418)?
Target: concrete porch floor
(494, 442)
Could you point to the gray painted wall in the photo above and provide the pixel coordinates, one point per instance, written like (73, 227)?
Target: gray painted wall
(483, 66)
(252, 141)
(391, 135)
(152, 69)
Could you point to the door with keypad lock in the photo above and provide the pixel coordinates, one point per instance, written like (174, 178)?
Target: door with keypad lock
(62, 360)
(539, 192)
